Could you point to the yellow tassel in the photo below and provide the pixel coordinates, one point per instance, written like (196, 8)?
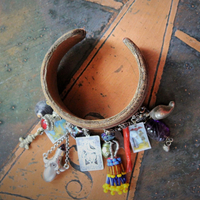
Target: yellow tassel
(112, 189)
(105, 191)
(106, 187)
(123, 173)
(118, 190)
(125, 187)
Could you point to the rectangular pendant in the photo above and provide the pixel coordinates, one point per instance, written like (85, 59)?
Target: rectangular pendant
(58, 132)
(89, 153)
(138, 138)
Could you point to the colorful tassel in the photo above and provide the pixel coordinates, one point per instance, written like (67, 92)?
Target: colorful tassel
(116, 177)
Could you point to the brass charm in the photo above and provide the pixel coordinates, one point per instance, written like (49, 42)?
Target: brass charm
(24, 143)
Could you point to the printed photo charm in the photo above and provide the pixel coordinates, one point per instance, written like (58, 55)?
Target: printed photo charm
(138, 137)
(134, 125)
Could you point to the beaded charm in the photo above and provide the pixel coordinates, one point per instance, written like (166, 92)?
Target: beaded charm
(157, 130)
(116, 176)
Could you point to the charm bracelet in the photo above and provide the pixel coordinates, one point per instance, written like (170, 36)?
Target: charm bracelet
(132, 114)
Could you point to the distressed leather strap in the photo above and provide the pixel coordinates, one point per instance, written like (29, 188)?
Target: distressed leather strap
(49, 83)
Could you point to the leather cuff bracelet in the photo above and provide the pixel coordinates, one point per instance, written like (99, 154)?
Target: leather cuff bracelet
(135, 123)
(50, 90)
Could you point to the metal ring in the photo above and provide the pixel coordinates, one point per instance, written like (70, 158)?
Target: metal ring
(168, 143)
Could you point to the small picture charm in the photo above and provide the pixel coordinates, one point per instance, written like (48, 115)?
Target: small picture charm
(58, 131)
(89, 153)
(138, 137)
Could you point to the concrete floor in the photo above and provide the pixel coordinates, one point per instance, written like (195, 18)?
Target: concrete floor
(28, 29)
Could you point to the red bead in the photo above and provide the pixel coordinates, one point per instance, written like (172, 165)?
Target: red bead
(43, 124)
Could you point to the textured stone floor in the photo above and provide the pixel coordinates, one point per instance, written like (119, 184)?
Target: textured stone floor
(28, 29)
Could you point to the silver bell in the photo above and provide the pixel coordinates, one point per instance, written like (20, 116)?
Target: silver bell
(166, 148)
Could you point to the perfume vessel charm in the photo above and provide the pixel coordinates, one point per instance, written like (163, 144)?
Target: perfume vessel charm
(54, 165)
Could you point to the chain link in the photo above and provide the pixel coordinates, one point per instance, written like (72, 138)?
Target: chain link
(66, 165)
(66, 138)
(70, 130)
(140, 116)
(86, 132)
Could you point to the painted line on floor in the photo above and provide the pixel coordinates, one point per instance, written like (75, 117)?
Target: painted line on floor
(192, 42)
(109, 3)
(164, 52)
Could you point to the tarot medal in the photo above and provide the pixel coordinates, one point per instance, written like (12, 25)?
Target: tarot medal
(89, 153)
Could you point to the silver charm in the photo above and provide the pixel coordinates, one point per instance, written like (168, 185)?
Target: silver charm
(162, 111)
(167, 144)
(113, 155)
(49, 121)
(89, 153)
(166, 148)
(54, 165)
